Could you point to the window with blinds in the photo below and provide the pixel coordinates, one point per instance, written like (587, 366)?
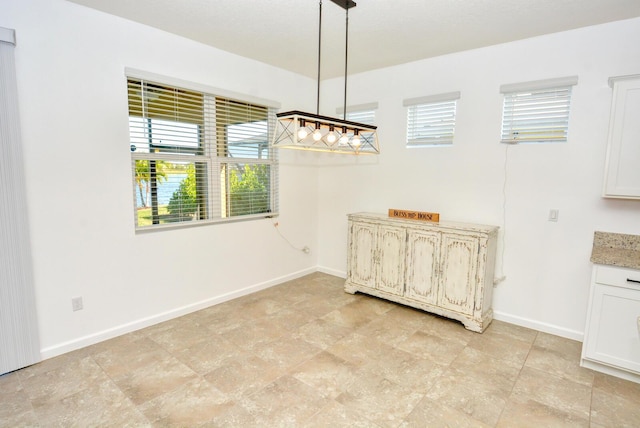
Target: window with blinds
(537, 112)
(198, 157)
(361, 113)
(431, 120)
(368, 117)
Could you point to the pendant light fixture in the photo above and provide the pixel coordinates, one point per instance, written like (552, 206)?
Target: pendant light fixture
(308, 131)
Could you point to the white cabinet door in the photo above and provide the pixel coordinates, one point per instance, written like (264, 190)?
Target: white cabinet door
(390, 258)
(459, 272)
(362, 267)
(423, 261)
(622, 176)
(614, 327)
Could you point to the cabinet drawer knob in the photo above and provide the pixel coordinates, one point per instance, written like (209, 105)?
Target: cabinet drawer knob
(633, 280)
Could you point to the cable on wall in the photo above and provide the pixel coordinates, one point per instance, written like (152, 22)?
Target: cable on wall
(501, 277)
(304, 249)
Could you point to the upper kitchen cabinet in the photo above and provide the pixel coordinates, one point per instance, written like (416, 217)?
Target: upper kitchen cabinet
(622, 171)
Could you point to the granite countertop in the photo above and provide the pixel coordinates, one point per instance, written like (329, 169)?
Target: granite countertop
(616, 249)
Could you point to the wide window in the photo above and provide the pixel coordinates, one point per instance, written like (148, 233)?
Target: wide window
(537, 112)
(198, 157)
(431, 120)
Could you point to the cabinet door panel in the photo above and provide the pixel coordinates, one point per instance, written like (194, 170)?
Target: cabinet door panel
(391, 251)
(614, 327)
(623, 152)
(459, 271)
(423, 257)
(362, 246)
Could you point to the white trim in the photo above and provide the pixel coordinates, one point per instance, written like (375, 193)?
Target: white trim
(539, 326)
(7, 35)
(449, 96)
(612, 371)
(500, 316)
(72, 345)
(615, 79)
(358, 107)
(334, 272)
(223, 220)
(185, 84)
(539, 84)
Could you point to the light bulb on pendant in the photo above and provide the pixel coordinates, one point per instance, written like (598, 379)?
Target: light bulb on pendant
(302, 132)
(331, 136)
(356, 138)
(344, 139)
(317, 135)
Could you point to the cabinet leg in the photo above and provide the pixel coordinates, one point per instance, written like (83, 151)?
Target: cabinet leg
(349, 289)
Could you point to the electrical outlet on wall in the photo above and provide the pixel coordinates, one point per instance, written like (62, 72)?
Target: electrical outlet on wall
(76, 303)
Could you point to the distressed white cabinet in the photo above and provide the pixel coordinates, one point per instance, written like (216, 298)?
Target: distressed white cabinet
(612, 332)
(423, 267)
(381, 263)
(622, 171)
(445, 268)
(459, 271)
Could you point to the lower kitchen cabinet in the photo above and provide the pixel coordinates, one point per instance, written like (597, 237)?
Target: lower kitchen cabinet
(444, 268)
(612, 332)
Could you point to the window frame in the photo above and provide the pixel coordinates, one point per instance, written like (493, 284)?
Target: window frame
(421, 111)
(540, 108)
(216, 186)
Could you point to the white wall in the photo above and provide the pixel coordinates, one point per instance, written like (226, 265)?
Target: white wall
(546, 264)
(70, 63)
(73, 105)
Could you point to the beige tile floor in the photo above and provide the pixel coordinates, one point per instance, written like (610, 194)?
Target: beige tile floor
(306, 354)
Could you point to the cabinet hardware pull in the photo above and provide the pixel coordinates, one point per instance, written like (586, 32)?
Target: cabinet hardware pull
(633, 280)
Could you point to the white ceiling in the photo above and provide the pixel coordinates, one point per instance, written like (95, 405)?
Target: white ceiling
(382, 33)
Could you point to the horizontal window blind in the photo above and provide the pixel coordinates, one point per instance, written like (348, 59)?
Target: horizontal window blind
(539, 113)
(431, 120)
(361, 113)
(368, 117)
(199, 157)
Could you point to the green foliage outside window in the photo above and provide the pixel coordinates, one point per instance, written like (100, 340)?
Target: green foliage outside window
(248, 192)
(184, 201)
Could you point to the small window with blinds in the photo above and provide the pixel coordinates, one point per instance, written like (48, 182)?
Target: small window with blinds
(537, 112)
(368, 117)
(198, 157)
(431, 120)
(361, 113)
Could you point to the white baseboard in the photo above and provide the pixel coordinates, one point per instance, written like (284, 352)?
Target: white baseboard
(501, 316)
(334, 272)
(539, 326)
(91, 339)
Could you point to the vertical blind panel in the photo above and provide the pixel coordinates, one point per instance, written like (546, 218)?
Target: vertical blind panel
(536, 116)
(431, 123)
(198, 156)
(19, 342)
